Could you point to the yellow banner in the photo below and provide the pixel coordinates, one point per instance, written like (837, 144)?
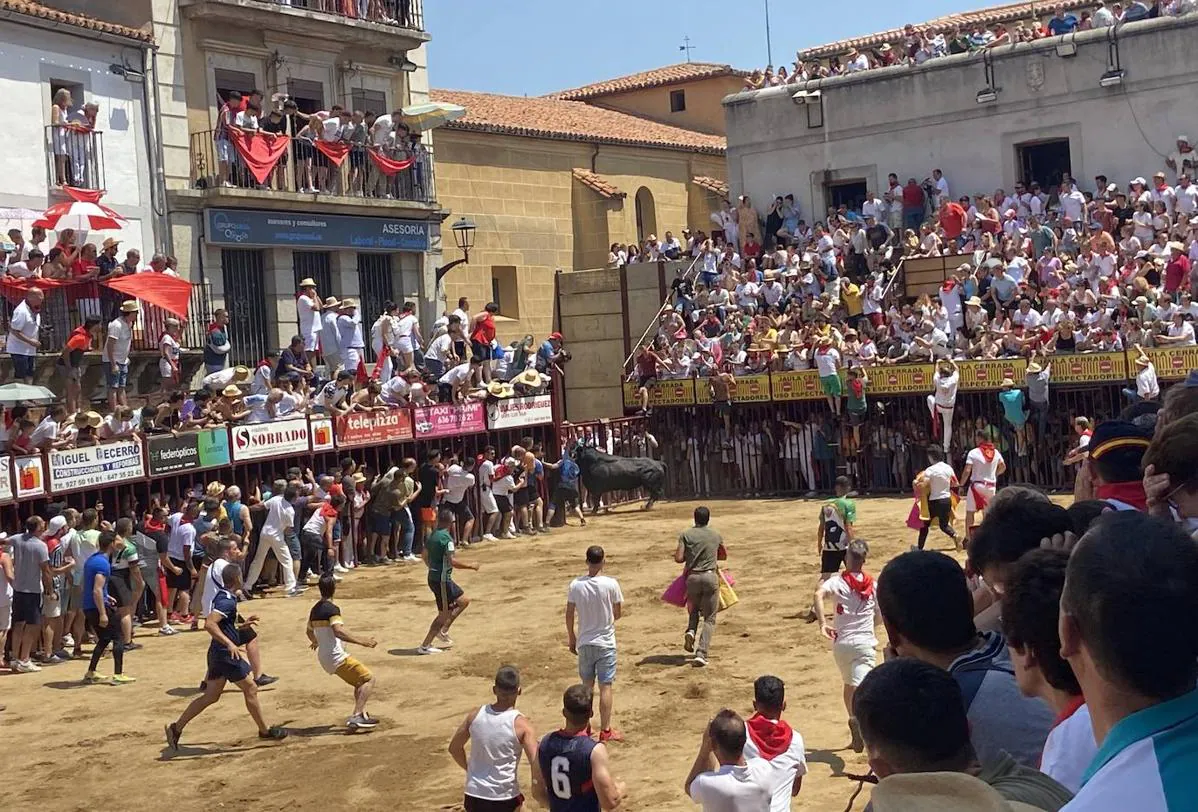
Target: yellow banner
(802, 385)
(749, 389)
(1097, 367)
(989, 375)
(662, 393)
(1172, 363)
(908, 379)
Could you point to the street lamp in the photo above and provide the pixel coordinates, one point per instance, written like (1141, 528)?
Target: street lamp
(463, 238)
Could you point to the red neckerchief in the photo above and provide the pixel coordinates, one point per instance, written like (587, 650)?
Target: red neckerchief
(1069, 710)
(1130, 492)
(948, 286)
(153, 526)
(264, 363)
(987, 450)
(772, 737)
(860, 583)
(857, 387)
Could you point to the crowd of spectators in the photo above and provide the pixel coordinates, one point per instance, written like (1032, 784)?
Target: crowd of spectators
(916, 44)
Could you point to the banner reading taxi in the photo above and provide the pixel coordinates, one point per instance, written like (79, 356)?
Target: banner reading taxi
(29, 476)
(910, 379)
(988, 375)
(1096, 367)
(1172, 363)
(510, 413)
(276, 439)
(188, 451)
(6, 494)
(106, 464)
(374, 428)
(447, 419)
(798, 385)
(679, 392)
(749, 389)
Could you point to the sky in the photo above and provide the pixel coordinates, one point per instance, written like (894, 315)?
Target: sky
(532, 47)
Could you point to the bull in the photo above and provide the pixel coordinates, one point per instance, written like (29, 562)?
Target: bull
(602, 473)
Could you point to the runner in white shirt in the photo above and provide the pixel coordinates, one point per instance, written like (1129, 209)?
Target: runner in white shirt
(983, 465)
(939, 480)
(497, 734)
(943, 401)
(407, 331)
(596, 600)
(772, 741)
(734, 785)
(280, 518)
(308, 307)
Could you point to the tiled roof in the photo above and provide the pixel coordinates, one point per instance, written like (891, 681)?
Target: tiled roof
(993, 15)
(600, 184)
(70, 18)
(669, 75)
(715, 185)
(569, 121)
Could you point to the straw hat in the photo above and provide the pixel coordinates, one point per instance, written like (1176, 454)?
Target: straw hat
(825, 341)
(1143, 361)
(1173, 245)
(231, 391)
(110, 243)
(1007, 383)
(1034, 369)
(131, 306)
(529, 377)
(215, 488)
(307, 282)
(347, 303)
(359, 477)
(241, 374)
(973, 300)
(945, 364)
(499, 389)
(331, 302)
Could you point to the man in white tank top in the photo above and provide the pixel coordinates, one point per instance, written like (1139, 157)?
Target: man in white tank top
(497, 733)
(983, 465)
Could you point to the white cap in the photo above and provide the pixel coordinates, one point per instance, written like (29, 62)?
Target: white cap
(57, 525)
(1140, 181)
(1183, 138)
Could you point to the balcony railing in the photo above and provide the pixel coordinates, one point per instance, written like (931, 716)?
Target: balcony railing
(74, 157)
(400, 13)
(305, 170)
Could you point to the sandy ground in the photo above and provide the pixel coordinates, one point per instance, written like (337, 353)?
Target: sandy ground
(73, 747)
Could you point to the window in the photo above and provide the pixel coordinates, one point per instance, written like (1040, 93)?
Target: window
(677, 101)
(74, 88)
(245, 299)
(369, 101)
(505, 290)
(307, 95)
(227, 80)
(1044, 162)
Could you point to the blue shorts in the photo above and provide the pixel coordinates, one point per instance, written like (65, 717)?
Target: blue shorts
(221, 665)
(293, 545)
(22, 365)
(224, 150)
(597, 663)
(378, 523)
(120, 378)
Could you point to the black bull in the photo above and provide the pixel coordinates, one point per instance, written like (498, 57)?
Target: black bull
(602, 473)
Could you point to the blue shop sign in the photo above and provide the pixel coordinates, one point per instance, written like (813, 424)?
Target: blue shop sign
(236, 227)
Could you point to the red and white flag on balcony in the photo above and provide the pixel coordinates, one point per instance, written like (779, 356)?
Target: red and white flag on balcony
(260, 150)
(335, 151)
(386, 165)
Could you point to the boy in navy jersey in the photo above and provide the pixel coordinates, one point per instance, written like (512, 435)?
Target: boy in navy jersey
(575, 766)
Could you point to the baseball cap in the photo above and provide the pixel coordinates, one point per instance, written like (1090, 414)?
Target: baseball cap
(56, 525)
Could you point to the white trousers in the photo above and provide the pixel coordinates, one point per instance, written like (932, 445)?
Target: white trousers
(268, 542)
(946, 419)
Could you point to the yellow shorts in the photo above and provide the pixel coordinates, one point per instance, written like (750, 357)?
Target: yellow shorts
(353, 672)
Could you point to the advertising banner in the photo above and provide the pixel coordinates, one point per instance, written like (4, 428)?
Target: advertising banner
(800, 385)
(512, 412)
(278, 439)
(190, 451)
(911, 379)
(242, 227)
(448, 419)
(749, 389)
(989, 374)
(1096, 367)
(374, 428)
(321, 431)
(76, 468)
(1172, 363)
(29, 476)
(662, 393)
(6, 494)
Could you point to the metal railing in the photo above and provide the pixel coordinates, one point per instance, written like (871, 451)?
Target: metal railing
(304, 169)
(74, 156)
(399, 13)
(689, 274)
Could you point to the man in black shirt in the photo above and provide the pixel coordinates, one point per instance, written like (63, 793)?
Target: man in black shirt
(429, 477)
(294, 359)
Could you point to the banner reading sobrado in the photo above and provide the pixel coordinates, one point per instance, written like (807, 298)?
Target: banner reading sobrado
(279, 439)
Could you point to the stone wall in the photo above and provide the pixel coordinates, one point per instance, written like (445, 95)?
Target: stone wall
(703, 111)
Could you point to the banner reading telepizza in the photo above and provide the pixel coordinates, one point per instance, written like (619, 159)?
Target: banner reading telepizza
(513, 412)
(188, 451)
(6, 493)
(277, 439)
(374, 428)
(1097, 367)
(802, 384)
(90, 466)
(447, 419)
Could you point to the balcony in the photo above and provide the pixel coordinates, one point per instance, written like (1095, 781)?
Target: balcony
(74, 157)
(389, 24)
(304, 175)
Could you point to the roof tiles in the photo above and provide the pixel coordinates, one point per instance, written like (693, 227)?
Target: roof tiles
(658, 77)
(32, 9)
(714, 185)
(598, 183)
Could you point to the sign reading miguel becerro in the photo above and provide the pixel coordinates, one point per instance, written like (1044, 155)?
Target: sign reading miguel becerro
(271, 228)
(90, 466)
(277, 439)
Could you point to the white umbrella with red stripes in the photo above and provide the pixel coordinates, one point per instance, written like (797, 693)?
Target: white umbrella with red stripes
(84, 212)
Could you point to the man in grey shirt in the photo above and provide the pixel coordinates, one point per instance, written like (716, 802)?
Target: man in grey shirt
(1037, 393)
(699, 548)
(32, 579)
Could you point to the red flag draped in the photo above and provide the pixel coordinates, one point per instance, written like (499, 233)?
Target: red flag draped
(170, 293)
(387, 166)
(335, 151)
(84, 195)
(259, 151)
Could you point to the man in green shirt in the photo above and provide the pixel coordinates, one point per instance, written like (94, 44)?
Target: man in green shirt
(438, 554)
(832, 536)
(699, 548)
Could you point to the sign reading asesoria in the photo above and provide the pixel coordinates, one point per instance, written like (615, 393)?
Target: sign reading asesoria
(87, 467)
(258, 440)
(513, 412)
(447, 419)
(372, 428)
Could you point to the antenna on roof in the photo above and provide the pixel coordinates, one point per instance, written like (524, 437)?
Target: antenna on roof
(686, 46)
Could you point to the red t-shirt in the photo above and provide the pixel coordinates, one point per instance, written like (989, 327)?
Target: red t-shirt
(952, 220)
(484, 331)
(1176, 273)
(912, 196)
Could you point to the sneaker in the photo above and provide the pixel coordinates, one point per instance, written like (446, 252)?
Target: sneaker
(263, 680)
(62, 654)
(132, 646)
(444, 640)
(68, 641)
(168, 630)
(274, 734)
(429, 650)
(699, 662)
(489, 537)
(122, 679)
(336, 577)
(610, 735)
(857, 743)
(688, 641)
(361, 721)
(54, 659)
(173, 617)
(172, 736)
(92, 678)
(295, 593)
(411, 559)
(339, 568)
(26, 667)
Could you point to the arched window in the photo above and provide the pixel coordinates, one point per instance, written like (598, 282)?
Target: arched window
(646, 214)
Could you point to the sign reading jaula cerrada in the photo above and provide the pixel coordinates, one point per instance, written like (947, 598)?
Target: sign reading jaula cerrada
(278, 439)
(87, 467)
(239, 227)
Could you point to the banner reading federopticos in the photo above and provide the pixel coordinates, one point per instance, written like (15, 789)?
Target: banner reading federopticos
(800, 385)
(277, 439)
(513, 412)
(901, 380)
(76, 468)
(990, 374)
(320, 429)
(6, 494)
(190, 451)
(374, 428)
(749, 389)
(29, 476)
(1172, 363)
(447, 419)
(1098, 367)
